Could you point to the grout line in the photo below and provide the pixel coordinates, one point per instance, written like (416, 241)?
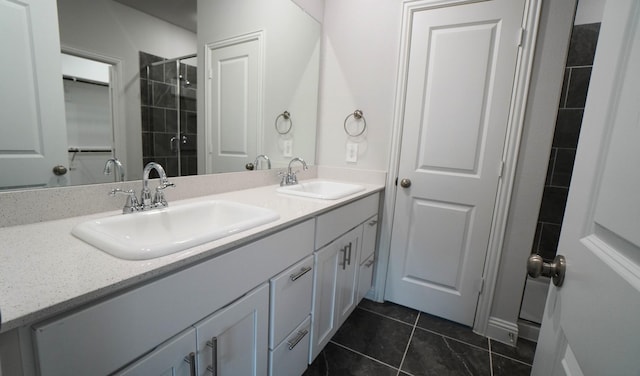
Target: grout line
(453, 338)
(364, 355)
(510, 358)
(490, 357)
(406, 349)
(566, 93)
(385, 316)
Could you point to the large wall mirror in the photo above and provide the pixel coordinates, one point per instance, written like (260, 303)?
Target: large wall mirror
(200, 86)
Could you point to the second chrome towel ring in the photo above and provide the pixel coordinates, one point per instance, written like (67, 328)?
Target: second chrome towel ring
(285, 116)
(357, 115)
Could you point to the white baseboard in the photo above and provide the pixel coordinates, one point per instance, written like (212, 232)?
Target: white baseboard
(502, 331)
(528, 330)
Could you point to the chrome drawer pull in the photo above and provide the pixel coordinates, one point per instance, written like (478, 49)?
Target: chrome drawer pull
(373, 222)
(213, 368)
(191, 360)
(369, 263)
(299, 274)
(298, 338)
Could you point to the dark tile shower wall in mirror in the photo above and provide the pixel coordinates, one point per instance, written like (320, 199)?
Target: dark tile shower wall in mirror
(577, 74)
(159, 107)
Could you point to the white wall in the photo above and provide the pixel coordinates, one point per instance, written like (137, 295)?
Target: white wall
(291, 47)
(358, 71)
(111, 29)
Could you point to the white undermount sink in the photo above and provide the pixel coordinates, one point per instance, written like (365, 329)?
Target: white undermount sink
(154, 233)
(322, 189)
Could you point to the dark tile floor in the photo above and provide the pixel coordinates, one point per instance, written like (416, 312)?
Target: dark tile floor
(388, 339)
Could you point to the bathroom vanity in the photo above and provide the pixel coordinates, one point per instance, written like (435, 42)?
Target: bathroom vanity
(264, 301)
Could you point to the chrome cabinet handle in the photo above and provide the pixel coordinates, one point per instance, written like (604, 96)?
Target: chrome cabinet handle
(299, 336)
(373, 222)
(213, 368)
(349, 257)
(369, 263)
(299, 274)
(191, 360)
(556, 270)
(344, 258)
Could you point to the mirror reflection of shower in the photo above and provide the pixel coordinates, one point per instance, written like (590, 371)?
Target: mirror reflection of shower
(89, 118)
(168, 90)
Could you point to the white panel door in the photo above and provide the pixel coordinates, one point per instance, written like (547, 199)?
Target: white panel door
(33, 136)
(591, 323)
(461, 69)
(233, 104)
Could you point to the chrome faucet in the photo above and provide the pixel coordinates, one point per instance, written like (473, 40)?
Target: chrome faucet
(290, 178)
(255, 163)
(145, 196)
(146, 202)
(117, 167)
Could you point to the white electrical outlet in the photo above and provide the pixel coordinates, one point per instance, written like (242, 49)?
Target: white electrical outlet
(352, 152)
(287, 147)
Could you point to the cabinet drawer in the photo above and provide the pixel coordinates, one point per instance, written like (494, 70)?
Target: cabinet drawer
(331, 225)
(365, 277)
(290, 299)
(369, 236)
(290, 357)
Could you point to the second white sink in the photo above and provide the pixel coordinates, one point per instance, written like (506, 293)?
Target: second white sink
(322, 189)
(155, 233)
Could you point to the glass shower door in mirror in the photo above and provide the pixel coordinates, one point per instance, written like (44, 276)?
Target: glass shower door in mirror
(169, 112)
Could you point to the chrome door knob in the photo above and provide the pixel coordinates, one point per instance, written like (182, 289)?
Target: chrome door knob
(59, 170)
(405, 183)
(536, 267)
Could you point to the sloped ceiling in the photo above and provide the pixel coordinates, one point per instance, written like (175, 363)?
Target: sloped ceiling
(178, 12)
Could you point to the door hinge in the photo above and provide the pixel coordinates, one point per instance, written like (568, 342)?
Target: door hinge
(501, 169)
(481, 286)
(520, 37)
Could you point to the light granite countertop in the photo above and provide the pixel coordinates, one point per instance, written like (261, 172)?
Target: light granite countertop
(45, 271)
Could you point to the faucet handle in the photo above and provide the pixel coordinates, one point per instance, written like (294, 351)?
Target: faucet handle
(132, 203)
(158, 198)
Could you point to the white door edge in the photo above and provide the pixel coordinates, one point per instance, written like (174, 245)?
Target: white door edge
(512, 146)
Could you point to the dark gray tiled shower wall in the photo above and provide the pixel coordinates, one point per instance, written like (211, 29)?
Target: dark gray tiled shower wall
(160, 115)
(565, 139)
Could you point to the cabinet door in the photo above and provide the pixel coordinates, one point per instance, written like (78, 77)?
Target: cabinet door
(334, 287)
(233, 341)
(324, 296)
(348, 273)
(175, 357)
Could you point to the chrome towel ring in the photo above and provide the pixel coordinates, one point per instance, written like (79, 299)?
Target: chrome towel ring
(357, 115)
(285, 116)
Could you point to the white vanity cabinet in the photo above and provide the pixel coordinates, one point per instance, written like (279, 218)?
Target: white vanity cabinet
(266, 307)
(335, 287)
(104, 337)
